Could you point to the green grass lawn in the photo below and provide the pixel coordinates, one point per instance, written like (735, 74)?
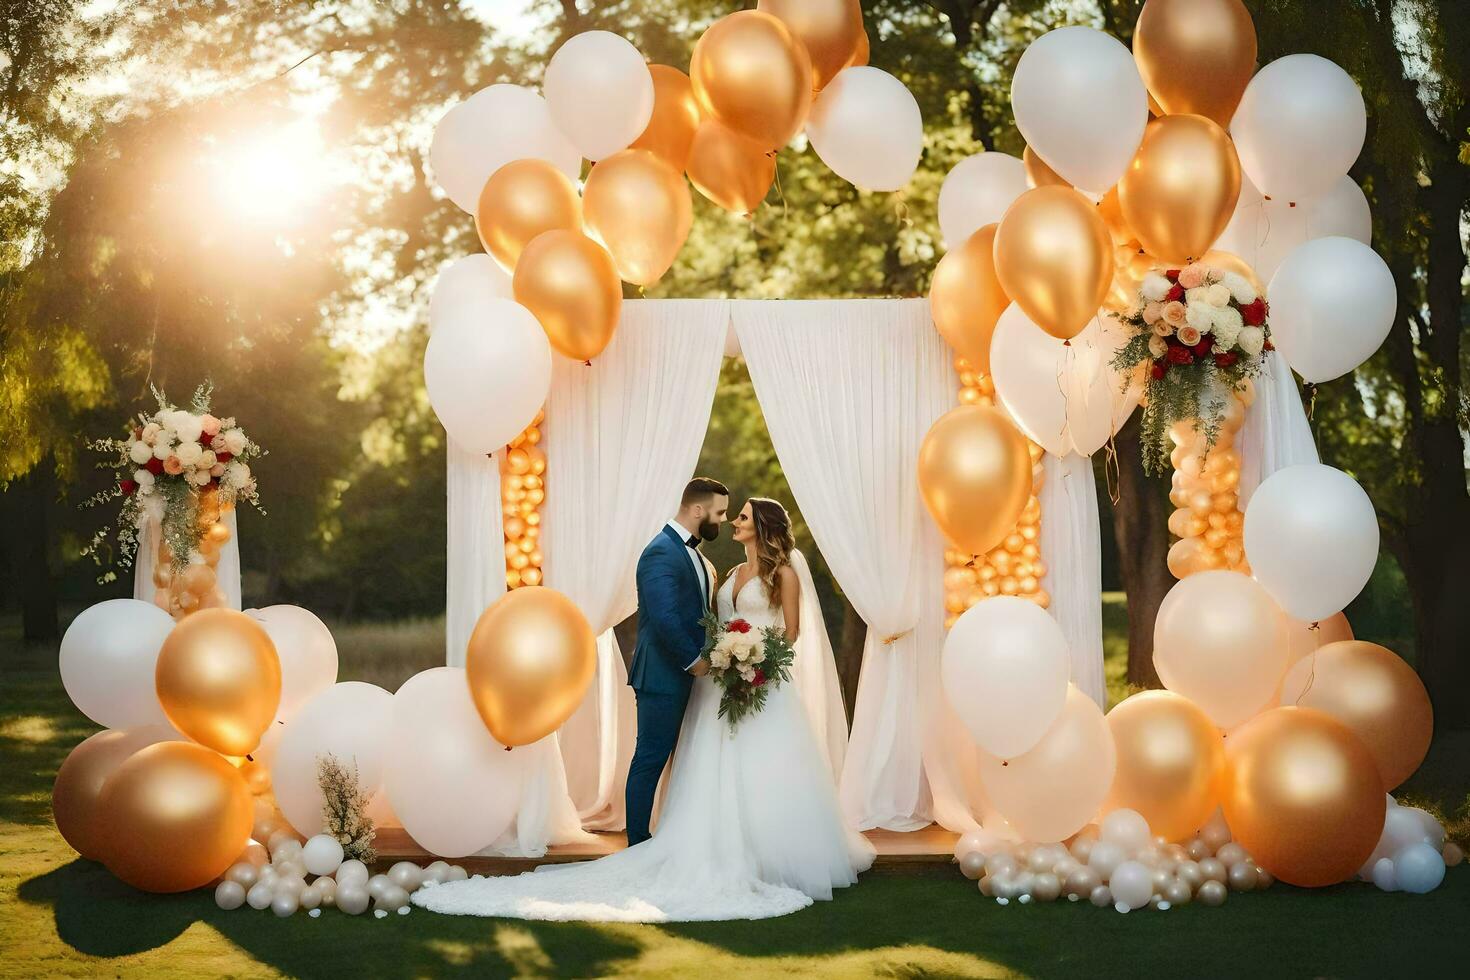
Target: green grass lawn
(61, 916)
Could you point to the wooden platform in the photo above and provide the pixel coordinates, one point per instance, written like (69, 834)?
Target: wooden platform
(931, 845)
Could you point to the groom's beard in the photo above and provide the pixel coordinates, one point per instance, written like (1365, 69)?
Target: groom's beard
(709, 530)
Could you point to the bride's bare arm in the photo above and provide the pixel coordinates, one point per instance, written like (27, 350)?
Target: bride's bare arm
(790, 601)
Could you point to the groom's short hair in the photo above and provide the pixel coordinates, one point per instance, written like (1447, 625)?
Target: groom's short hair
(700, 489)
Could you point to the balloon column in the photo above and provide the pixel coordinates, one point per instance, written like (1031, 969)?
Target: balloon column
(522, 491)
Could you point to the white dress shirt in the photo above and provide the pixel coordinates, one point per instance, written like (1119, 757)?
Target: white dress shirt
(701, 571)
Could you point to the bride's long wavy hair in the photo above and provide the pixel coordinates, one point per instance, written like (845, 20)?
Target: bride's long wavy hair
(773, 541)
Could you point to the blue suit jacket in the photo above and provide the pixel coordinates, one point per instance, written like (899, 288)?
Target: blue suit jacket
(669, 610)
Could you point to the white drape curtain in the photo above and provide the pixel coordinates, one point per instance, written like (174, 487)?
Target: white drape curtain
(1276, 432)
(227, 570)
(1071, 548)
(814, 672)
(848, 390)
(475, 562)
(622, 437)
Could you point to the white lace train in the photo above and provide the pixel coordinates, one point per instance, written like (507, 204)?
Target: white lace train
(750, 829)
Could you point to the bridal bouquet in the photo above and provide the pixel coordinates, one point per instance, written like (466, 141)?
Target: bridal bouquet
(746, 663)
(1201, 331)
(177, 468)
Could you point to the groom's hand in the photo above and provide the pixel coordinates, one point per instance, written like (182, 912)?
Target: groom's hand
(699, 668)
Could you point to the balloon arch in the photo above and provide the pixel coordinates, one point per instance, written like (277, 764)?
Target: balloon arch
(1123, 260)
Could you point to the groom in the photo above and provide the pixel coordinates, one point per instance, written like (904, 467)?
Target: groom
(675, 589)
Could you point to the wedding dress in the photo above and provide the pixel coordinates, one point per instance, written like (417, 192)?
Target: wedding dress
(750, 826)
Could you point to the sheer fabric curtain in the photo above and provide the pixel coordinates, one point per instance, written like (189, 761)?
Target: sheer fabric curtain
(622, 437)
(227, 570)
(1071, 547)
(1276, 432)
(848, 390)
(475, 559)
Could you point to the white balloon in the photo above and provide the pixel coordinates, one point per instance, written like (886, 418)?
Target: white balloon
(1311, 537)
(468, 282)
(452, 784)
(322, 855)
(229, 895)
(1299, 126)
(1382, 875)
(1126, 828)
(1340, 212)
(1081, 105)
(307, 651)
(1132, 883)
(487, 369)
(1005, 668)
(1263, 232)
(1105, 858)
(1065, 397)
(107, 660)
(1402, 826)
(977, 193)
(1419, 868)
(349, 721)
(1333, 302)
(866, 126)
(600, 93)
(490, 129)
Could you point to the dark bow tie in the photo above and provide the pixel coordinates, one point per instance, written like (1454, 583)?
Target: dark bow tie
(693, 541)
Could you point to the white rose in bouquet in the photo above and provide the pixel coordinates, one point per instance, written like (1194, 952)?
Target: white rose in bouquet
(237, 474)
(747, 673)
(1155, 287)
(1218, 295)
(1157, 346)
(1227, 328)
(1201, 316)
(1189, 336)
(1197, 295)
(206, 459)
(143, 479)
(186, 426)
(199, 477)
(163, 448)
(151, 431)
(1240, 287)
(188, 453)
(234, 441)
(1251, 340)
(140, 452)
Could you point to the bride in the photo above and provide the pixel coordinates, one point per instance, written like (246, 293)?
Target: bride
(750, 826)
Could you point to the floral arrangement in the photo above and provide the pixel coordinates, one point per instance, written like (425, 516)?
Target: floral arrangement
(1200, 331)
(746, 663)
(344, 808)
(167, 462)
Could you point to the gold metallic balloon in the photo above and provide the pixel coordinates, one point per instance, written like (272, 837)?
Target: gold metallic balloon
(1302, 795)
(1196, 56)
(1038, 172)
(828, 29)
(520, 201)
(530, 659)
(80, 780)
(729, 169)
(966, 298)
(1372, 691)
(670, 129)
(219, 680)
(1170, 761)
(571, 284)
(861, 53)
(1230, 262)
(639, 207)
(1180, 190)
(1112, 214)
(1054, 259)
(177, 816)
(975, 476)
(753, 75)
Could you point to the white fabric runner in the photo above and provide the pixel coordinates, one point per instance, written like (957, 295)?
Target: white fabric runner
(1276, 433)
(622, 437)
(1071, 547)
(848, 390)
(475, 561)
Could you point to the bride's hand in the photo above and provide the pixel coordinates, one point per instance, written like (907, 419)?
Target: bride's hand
(700, 667)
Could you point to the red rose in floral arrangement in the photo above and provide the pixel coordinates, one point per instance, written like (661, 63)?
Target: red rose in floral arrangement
(759, 680)
(1179, 354)
(128, 487)
(737, 626)
(1176, 292)
(1254, 312)
(154, 465)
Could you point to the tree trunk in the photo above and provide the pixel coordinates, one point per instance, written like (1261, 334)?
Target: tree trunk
(35, 494)
(849, 654)
(1141, 528)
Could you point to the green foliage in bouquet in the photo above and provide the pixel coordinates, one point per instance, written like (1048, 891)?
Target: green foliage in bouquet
(746, 668)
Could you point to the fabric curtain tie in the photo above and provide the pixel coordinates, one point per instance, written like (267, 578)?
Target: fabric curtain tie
(890, 640)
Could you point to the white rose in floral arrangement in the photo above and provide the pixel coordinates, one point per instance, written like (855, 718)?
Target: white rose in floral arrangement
(163, 449)
(151, 431)
(1217, 295)
(1157, 346)
(143, 479)
(206, 459)
(1251, 340)
(747, 673)
(1227, 327)
(237, 474)
(1155, 287)
(140, 452)
(719, 659)
(199, 478)
(188, 453)
(1201, 316)
(1189, 336)
(234, 441)
(1240, 287)
(1197, 295)
(187, 426)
